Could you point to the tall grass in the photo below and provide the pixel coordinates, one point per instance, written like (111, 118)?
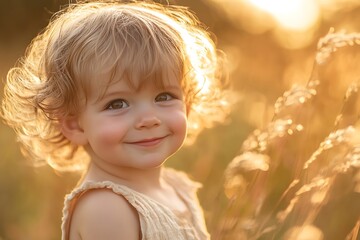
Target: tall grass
(299, 177)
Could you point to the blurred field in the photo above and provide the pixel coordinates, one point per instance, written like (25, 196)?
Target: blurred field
(269, 51)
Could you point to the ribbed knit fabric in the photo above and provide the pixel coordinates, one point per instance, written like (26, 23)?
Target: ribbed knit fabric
(157, 222)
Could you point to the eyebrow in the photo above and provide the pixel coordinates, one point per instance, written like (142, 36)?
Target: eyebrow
(174, 87)
(111, 94)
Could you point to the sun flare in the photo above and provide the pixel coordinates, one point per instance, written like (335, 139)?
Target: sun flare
(295, 14)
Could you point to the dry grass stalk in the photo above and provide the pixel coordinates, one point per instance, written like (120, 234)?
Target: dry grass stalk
(328, 176)
(332, 42)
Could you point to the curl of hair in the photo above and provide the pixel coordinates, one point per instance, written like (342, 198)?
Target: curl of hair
(51, 81)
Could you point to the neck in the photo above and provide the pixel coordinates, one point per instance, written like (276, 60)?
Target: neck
(137, 179)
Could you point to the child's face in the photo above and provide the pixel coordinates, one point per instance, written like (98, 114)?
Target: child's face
(135, 128)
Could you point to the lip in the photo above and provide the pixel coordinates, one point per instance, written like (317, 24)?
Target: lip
(149, 142)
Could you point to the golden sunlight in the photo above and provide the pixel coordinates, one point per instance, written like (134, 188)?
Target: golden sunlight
(293, 24)
(295, 15)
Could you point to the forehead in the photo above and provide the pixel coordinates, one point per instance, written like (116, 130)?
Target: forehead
(101, 85)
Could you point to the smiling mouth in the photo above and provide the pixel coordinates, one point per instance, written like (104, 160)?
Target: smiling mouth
(148, 142)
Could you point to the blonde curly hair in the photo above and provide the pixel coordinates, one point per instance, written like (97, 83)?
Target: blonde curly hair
(136, 39)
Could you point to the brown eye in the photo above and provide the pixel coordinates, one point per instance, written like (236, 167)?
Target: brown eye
(163, 97)
(117, 104)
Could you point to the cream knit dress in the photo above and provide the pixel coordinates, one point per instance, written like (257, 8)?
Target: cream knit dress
(157, 222)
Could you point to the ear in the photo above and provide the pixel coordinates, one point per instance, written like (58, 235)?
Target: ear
(72, 130)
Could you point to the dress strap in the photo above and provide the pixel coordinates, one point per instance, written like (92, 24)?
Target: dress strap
(156, 220)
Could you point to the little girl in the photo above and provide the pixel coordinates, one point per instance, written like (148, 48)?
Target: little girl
(113, 89)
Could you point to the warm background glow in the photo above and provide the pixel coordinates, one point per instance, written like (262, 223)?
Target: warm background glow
(294, 24)
(293, 15)
(271, 46)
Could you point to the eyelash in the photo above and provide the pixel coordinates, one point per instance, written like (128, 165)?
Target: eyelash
(110, 106)
(171, 97)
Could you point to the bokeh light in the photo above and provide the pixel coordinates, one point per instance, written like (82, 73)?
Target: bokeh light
(294, 15)
(293, 23)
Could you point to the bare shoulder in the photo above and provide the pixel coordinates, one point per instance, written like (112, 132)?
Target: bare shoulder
(102, 214)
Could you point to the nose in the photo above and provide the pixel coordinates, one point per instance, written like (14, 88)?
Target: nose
(147, 119)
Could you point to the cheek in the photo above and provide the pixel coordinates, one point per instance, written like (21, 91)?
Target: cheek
(107, 133)
(178, 124)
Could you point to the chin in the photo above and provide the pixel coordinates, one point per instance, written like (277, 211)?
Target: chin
(153, 164)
